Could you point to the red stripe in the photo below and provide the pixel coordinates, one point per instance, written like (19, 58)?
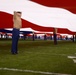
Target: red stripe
(67, 4)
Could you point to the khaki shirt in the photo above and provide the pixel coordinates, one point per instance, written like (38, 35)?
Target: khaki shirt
(17, 23)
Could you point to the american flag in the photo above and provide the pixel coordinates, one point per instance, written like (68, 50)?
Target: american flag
(40, 15)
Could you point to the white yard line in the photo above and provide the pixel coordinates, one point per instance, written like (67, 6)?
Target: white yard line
(54, 54)
(74, 60)
(32, 71)
(72, 57)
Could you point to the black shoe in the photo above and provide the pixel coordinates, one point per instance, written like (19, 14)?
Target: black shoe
(13, 53)
(16, 52)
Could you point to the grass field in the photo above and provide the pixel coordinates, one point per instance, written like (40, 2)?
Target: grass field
(40, 56)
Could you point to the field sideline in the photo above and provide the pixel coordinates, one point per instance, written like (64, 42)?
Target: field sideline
(38, 56)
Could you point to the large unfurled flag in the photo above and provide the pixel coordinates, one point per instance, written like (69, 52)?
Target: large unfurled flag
(41, 15)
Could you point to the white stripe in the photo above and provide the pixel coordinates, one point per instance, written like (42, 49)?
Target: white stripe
(31, 71)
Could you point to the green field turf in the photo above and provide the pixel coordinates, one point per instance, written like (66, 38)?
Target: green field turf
(38, 56)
